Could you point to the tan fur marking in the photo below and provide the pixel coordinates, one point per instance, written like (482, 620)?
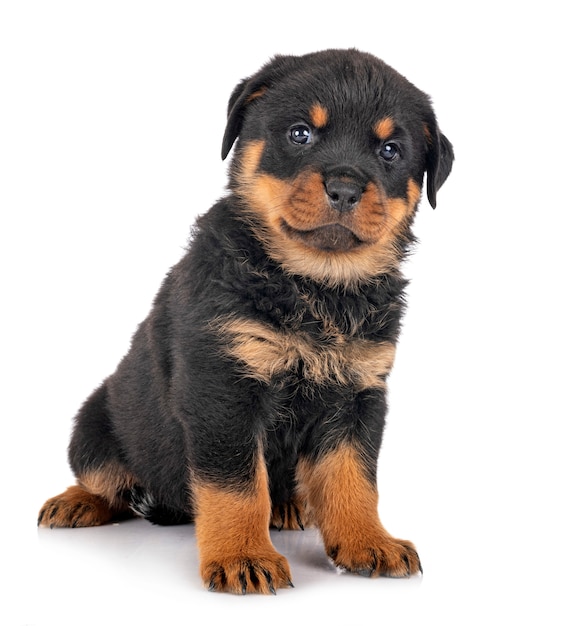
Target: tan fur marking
(384, 128)
(96, 500)
(108, 482)
(267, 352)
(250, 160)
(306, 207)
(413, 194)
(344, 506)
(232, 530)
(428, 135)
(319, 115)
(400, 209)
(339, 493)
(75, 508)
(302, 205)
(257, 94)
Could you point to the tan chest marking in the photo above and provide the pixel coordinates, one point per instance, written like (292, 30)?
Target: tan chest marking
(266, 352)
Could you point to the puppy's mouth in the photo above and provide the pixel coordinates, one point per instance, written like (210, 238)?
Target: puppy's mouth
(332, 237)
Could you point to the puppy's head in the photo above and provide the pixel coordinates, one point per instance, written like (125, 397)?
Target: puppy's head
(332, 154)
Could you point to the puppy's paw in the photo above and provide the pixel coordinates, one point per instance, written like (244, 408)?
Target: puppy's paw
(242, 574)
(383, 556)
(290, 516)
(75, 508)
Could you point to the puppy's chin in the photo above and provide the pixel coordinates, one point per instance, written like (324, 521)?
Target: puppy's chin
(329, 238)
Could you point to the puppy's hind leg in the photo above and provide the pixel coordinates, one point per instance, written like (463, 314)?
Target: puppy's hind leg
(103, 486)
(76, 507)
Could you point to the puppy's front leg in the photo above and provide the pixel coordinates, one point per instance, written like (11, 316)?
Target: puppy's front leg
(232, 527)
(344, 505)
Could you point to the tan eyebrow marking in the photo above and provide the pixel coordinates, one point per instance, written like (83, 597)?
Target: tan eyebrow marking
(384, 128)
(319, 115)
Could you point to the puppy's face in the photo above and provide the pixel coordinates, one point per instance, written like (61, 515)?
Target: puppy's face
(330, 163)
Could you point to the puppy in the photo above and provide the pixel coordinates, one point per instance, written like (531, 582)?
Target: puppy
(253, 395)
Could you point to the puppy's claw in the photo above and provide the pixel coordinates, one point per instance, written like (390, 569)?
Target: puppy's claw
(212, 585)
(282, 514)
(365, 573)
(269, 581)
(407, 565)
(299, 521)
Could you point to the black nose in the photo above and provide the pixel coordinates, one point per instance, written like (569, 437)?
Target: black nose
(343, 195)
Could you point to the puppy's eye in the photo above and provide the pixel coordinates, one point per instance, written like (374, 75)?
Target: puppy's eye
(389, 151)
(300, 134)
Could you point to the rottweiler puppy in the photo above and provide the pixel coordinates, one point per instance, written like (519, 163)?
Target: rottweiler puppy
(254, 393)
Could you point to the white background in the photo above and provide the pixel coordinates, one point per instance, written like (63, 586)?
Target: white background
(111, 117)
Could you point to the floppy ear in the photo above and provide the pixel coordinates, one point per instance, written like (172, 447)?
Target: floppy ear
(249, 90)
(439, 163)
(243, 93)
